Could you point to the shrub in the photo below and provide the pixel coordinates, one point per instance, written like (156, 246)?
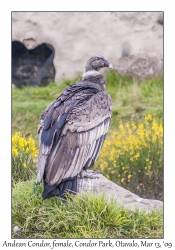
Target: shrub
(24, 153)
(133, 157)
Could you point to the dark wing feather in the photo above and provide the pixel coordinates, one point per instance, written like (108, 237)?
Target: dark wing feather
(72, 139)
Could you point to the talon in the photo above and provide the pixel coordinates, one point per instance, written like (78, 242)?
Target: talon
(86, 174)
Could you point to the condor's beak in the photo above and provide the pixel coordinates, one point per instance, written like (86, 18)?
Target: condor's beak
(110, 66)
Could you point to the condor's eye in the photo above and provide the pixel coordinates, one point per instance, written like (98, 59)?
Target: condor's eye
(101, 62)
(97, 63)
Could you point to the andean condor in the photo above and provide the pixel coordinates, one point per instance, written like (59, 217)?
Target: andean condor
(72, 131)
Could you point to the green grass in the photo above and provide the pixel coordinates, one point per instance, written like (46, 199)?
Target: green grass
(87, 216)
(131, 100)
(28, 104)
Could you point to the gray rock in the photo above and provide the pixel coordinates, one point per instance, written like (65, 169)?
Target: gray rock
(25, 69)
(125, 52)
(140, 67)
(124, 197)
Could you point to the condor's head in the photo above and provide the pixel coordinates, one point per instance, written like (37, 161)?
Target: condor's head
(97, 63)
(93, 65)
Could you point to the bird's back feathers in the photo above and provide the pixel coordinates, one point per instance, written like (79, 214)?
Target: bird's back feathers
(72, 131)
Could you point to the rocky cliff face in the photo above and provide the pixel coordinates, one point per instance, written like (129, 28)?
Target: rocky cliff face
(132, 41)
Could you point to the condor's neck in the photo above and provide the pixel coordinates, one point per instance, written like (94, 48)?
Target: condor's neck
(95, 77)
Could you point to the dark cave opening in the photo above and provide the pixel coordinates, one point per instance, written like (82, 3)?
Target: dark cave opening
(32, 67)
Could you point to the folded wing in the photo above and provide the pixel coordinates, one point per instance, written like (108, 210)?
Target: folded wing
(72, 131)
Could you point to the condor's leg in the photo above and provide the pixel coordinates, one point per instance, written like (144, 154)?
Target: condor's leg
(89, 174)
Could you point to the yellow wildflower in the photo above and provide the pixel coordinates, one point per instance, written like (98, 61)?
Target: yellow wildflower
(127, 125)
(140, 126)
(137, 155)
(154, 138)
(118, 151)
(121, 127)
(129, 176)
(148, 117)
(22, 143)
(155, 126)
(23, 153)
(122, 180)
(160, 128)
(14, 152)
(118, 143)
(133, 125)
(141, 133)
(129, 147)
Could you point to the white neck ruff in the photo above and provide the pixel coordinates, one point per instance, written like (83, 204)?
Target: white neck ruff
(90, 73)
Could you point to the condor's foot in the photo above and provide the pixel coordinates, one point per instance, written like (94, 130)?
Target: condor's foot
(89, 174)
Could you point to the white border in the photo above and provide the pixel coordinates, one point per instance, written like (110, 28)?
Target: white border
(5, 96)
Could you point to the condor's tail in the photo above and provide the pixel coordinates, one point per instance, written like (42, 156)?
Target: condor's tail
(60, 190)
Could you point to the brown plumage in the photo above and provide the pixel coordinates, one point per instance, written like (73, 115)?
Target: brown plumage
(72, 130)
